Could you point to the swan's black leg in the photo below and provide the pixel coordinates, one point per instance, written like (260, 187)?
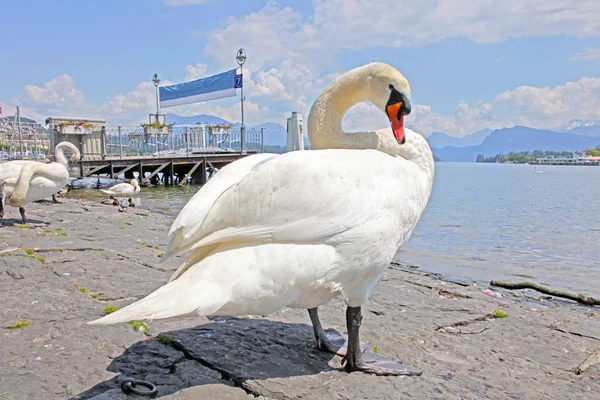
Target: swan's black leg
(23, 217)
(1, 199)
(368, 361)
(54, 199)
(332, 342)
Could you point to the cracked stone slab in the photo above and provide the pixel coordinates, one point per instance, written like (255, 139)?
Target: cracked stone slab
(164, 366)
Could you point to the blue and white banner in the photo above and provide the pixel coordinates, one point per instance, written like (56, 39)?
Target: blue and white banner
(210, 88)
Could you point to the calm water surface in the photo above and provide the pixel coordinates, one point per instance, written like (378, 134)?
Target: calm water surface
(500, 221)
(489, 221)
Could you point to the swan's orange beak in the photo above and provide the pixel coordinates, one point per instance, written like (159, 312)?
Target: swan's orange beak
(396, 117)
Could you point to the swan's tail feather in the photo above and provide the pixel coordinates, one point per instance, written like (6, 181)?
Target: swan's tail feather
(106, 191)
(175, 299)
(194, 258)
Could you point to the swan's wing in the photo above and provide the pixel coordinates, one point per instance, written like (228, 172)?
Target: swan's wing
(11, 169)
(120, 187)
(305, 197)
(183, 232)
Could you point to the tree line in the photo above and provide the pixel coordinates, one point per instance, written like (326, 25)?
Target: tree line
(521, 157)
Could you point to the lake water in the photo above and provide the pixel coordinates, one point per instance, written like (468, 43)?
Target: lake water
(490, 221)
(501, 221)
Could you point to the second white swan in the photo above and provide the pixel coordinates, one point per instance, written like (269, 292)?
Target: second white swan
(123, 188)
(26, 181)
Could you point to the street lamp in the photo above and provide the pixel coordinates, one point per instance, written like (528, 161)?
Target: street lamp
(241, 59)
(156, 82)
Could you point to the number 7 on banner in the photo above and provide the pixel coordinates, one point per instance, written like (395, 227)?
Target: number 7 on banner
(238, 81)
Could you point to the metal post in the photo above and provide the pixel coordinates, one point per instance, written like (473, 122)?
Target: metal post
(120, 144)
(243, 129)
(242, 93)
(157, 104)
(187, 139)
(103, 137)
(241, 59)
(20, 134)
(12, 139)
(35, 142)
(262, 140)
(52, 137)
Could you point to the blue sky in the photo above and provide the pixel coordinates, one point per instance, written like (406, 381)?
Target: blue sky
(470, 65)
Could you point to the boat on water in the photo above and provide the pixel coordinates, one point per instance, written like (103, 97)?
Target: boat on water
(575, 159)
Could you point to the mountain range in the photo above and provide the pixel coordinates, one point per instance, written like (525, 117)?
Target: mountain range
(575, 134)
(522, 138)
(440, 140)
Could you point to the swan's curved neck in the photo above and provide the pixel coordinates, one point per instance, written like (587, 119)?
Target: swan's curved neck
(325, 122)
(59, 153)
(326, 114)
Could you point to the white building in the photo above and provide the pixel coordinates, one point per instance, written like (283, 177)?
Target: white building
(295, 134)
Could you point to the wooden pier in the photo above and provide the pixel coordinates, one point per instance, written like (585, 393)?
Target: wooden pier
(168, 170)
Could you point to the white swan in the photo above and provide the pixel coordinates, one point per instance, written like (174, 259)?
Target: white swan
(35, 180)
(298, 229)
(123, 188)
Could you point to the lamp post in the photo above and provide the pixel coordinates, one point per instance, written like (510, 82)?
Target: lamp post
(156, 82)
(241, 59)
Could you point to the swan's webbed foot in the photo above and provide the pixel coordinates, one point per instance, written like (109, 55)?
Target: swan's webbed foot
(54, 199)
(331, 342)
(23, 217)
(373, 363)
(357, 359)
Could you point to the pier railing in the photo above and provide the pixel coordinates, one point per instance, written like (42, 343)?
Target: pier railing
(125, 141)
(122, 141)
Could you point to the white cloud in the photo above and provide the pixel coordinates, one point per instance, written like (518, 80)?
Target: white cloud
(537, 107)
(276, 33)
(270, 34)
(197, 71)
(289, 53)
(59, 91)
(179, 3)
(589, 53)
(142, 98)
(364, 117)
(350, 22)
(551, 105)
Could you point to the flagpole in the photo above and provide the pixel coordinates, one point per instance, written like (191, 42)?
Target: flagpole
(241, 59)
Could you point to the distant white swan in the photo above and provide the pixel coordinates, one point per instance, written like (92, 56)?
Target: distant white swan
(536, 171)
(299, 229)
(123, 188)
(27, 181)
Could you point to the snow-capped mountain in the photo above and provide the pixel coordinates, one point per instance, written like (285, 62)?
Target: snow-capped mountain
(576, 123)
